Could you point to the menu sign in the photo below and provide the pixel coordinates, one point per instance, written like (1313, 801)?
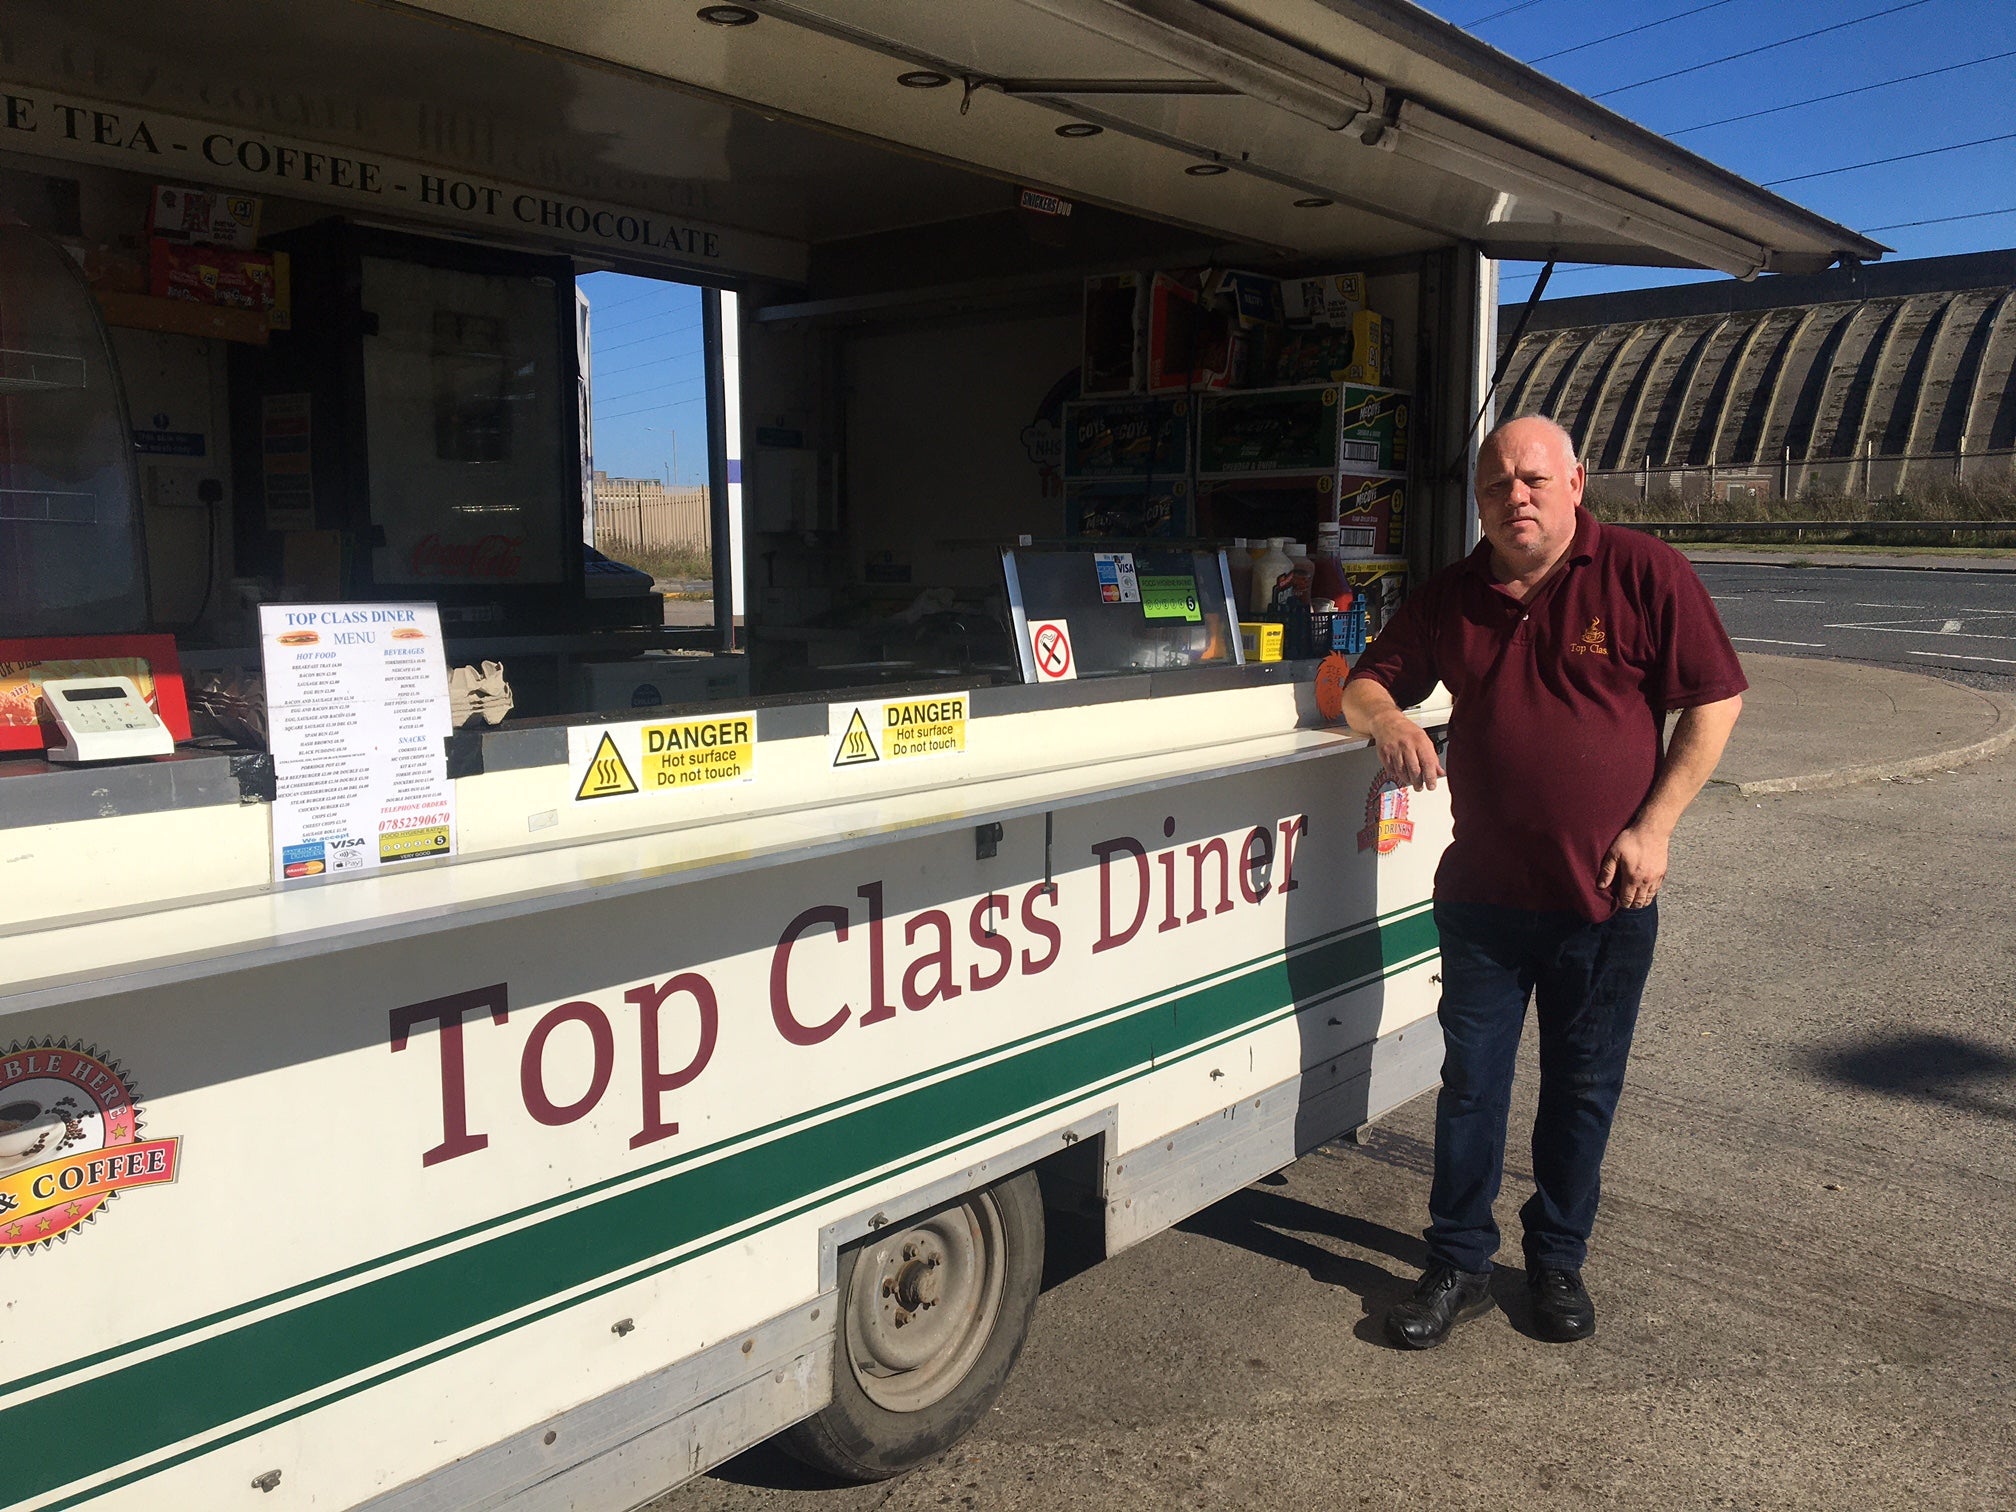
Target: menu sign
(357, 705)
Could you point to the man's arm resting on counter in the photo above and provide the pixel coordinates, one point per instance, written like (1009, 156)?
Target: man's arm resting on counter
(1404, 747)
(1636, 862)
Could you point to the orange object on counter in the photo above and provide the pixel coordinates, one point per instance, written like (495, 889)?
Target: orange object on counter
(1330, 678)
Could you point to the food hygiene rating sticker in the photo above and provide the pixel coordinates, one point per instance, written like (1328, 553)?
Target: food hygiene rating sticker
(898, 729)
(660, 756)
(69, 1142)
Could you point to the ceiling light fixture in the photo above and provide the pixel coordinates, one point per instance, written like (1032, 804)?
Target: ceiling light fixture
(1205, 170)
(1313, 203)
(922, 78)
(727, 15)
(1079, 129)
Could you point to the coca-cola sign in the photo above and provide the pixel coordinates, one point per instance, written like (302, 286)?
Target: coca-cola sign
(490, 556)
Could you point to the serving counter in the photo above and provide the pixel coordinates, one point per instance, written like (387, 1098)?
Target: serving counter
(160, 870)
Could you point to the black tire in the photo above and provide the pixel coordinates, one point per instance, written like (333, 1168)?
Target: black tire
(885, 1419)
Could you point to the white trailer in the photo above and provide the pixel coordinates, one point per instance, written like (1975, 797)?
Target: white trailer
(558, 1171)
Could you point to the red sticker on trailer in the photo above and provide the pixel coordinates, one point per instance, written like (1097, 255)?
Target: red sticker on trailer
(1386, 821)
(70, 1142)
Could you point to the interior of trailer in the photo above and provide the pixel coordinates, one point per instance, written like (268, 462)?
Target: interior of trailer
(326, 406)
(950, 314)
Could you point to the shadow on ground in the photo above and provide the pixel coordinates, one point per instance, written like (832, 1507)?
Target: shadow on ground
(1926, 1066)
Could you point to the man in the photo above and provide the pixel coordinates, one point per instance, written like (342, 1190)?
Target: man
(1565, 644)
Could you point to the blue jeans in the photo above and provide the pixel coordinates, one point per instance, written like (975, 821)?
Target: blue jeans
(1586, 981)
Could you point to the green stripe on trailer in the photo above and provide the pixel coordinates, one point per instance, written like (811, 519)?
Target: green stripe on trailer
(154, 1404)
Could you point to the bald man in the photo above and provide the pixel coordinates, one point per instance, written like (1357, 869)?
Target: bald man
(1565, 643)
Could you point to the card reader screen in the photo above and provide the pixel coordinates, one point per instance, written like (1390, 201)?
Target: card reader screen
(80, 695)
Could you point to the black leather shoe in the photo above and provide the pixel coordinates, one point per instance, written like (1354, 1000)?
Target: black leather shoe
(1562, 1311)
(1445, 1297)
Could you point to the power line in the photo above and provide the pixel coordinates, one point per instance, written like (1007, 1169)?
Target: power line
(1561, 272)
(603, 324)
(1629, 31)
(603, 375)
(651, 388)
(1751, 52)
(1842, 94)
(649, 409)
(1495, 15)
(617, 304)
(656, 336)
(1940, 220)
(605, 328)
(1902, 157)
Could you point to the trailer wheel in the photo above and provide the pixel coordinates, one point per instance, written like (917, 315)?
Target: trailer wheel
(932, 1317)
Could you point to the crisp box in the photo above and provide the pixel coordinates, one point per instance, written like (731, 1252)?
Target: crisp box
(212, 276)
(1325, 299)
(1383, 500)
(1120, 508)
(1268, 430)
(1127, 438)
(1372, 429)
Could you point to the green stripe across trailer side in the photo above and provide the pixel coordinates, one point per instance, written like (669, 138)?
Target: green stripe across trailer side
(95, 1425)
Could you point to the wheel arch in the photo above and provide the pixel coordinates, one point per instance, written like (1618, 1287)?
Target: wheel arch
(1069, 1160)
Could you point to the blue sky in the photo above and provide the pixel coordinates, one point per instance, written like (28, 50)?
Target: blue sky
(650, 419)
(1898, 39)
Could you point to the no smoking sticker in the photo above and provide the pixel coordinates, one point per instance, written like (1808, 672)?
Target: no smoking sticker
(1050, 643)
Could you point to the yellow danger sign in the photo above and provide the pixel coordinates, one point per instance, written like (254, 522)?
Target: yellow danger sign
(694, 751)
(897, 729)
(607, 776)
(857, 743)
(924, 726)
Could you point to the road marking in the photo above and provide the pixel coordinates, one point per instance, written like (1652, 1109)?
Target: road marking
(1758, 640)
(1951, 627)
(1897, 629)
(1801, 601)
(2007, 661)
(1858, 604)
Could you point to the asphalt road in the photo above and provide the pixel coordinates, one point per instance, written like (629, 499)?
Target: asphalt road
(1801, 1267)
(1943, 622)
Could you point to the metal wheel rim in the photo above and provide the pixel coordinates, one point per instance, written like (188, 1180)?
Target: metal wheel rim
(947, 1309)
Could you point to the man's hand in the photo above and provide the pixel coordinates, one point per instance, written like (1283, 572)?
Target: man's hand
(1409, 755)
(1635, 866)
(1404, 747)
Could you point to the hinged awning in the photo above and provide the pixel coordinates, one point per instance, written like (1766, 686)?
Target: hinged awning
(1304, 129)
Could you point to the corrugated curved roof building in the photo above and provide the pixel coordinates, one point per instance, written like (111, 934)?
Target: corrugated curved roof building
(1873, 380)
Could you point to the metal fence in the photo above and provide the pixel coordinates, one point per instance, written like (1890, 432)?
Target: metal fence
(1865, 475)
(632, 521)
(1799, 530)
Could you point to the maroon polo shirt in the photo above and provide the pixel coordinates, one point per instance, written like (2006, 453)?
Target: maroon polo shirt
(1560, 709)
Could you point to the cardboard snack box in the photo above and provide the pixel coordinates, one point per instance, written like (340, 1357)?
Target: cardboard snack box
(212, 275)
(1114, 359)
(1266, 504)
(1127, 438)
(1328, 299)
(1117, 509)
(1268, 430)
(1384, 501)
(1372, 429)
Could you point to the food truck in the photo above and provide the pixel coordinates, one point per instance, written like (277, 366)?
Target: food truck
(466, 1041)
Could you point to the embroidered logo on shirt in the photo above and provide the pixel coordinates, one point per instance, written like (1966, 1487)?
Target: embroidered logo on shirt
(1386, 821)
(1591, 641)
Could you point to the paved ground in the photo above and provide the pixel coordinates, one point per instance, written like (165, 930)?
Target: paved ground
(1811, 724)
(1927, 621)
(1931, 560)
(1802, 1264)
